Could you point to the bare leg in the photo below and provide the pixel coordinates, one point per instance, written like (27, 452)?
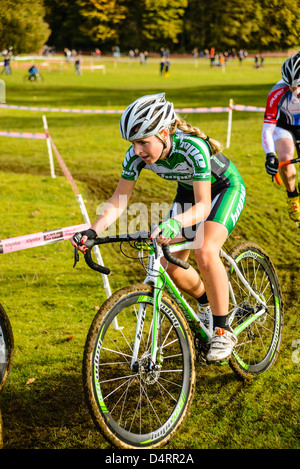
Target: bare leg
(210, 240)
(187, 280)
(285, 151)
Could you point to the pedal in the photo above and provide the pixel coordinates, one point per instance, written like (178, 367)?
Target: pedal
(218, 363)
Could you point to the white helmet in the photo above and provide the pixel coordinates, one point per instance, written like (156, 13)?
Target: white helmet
(146, 116)
(290, 71)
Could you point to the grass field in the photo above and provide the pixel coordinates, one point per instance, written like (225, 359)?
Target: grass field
(51, 306)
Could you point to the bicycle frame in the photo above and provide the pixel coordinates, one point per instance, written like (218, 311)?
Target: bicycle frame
(157, 276)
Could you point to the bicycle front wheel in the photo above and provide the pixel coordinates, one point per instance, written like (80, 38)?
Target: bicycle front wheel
(6, 347)
(144, 406)
(258, 343)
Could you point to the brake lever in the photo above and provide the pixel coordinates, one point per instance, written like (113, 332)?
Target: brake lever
(76, 256)
(89, 244)
(153, 227)
(155, 248)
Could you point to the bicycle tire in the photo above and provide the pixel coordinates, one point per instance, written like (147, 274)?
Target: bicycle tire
(1, 431)
(152, 405)
(258, 345)
(6, 347)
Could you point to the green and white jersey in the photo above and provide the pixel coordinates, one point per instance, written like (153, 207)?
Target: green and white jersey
(189, 160)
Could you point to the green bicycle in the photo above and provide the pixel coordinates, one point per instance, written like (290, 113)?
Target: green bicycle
(139, 357)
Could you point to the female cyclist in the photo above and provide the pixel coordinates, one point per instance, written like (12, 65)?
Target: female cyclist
(210, 197)
(281, 129)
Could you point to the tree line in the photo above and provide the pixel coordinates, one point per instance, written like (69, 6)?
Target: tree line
(179, 25)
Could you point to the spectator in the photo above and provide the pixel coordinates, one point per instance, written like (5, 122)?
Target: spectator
(212, 56)
(78, 61)
(6, 65)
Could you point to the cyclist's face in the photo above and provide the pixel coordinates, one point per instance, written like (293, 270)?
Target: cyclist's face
(149, 148)
(295, 90)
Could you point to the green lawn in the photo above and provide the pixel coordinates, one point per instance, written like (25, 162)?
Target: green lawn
(51, 305)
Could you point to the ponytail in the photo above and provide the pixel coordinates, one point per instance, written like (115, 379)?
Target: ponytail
(180, 124)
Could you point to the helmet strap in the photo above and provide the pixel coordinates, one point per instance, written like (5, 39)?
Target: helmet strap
(164, 142)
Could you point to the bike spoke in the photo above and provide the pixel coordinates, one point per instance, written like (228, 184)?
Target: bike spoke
(137, 396)
(256, 339)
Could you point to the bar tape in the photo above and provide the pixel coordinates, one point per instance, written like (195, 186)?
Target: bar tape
(40, 239)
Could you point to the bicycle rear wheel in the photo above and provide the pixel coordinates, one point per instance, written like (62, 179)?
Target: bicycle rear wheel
(258, 344)
(6, 347)
(140, 408)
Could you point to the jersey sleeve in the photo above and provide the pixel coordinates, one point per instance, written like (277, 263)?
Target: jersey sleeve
(273, 102)
(267, 137)
(271, 115)
(198, 156)
(132, 165)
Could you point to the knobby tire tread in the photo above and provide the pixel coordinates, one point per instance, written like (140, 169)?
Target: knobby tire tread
(87, 369)
(235, 252)
(10, 338)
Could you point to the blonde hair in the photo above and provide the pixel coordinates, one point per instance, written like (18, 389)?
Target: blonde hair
(180, 124)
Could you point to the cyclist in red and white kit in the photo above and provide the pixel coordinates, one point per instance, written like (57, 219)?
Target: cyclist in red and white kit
(281, 129)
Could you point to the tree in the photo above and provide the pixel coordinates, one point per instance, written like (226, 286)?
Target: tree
(132, 23)
(102, 19)
(196, 25)
(22, 25)
(163, 21)
(253, 24)
(234, 24)
(279, 25)
(178, 25)
(65, 20)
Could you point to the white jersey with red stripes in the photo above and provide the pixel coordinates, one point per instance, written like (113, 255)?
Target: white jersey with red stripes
(282, 110)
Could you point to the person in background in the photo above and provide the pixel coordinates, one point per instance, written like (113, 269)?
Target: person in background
(6, 65)
(77, 61)
(281, 129)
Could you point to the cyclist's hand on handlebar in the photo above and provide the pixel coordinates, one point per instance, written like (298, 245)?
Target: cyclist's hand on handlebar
(271, 164)
(80, 238)
(166, 231)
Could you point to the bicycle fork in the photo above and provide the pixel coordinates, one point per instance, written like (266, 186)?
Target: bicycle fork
(153, 277)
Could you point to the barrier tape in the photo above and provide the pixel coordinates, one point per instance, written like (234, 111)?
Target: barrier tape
(63, 165)
(202, 109)
(39, 239)
(52, 236)
(240, 107)
(83, 210)
(38, 136)
(215, 109)
(48, 109)
(108, 111)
